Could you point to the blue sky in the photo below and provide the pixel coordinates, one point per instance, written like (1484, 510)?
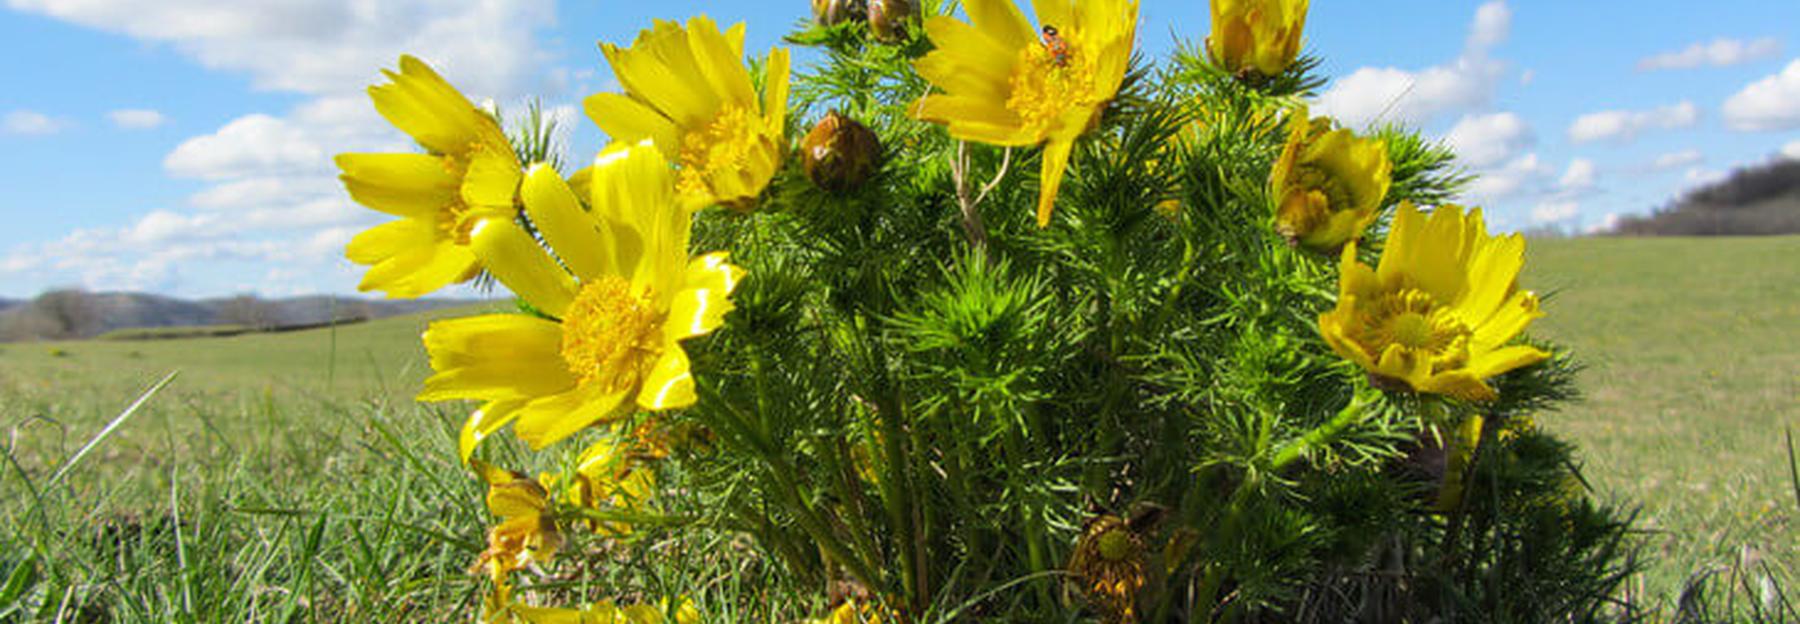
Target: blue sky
(183, 146)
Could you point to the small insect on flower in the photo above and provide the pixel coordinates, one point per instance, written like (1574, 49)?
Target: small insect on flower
(1059, 49)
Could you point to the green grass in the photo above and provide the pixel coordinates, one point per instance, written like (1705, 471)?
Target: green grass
(1693, 354)
(289, 477)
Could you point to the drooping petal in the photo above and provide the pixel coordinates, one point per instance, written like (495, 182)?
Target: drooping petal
(391, 239)
(483, 423)
(696, 312)
(421, 270)
(1505, 359)
(1056, 160)
(548, 420)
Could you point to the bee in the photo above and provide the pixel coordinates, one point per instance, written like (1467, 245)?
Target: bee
(1059, 49)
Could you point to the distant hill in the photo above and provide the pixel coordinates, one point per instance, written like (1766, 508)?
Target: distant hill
(1763, 200)
(69, 314)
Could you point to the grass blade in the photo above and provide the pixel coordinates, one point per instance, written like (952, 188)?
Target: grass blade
(107, 431)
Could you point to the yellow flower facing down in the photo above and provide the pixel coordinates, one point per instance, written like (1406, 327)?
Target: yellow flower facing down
(687, 90)
(1328, 184)
(1437, 313)
(1006, 83)
(527, 532)
(618, 311)
(1259, 35)
(469, 174)
(608, 477)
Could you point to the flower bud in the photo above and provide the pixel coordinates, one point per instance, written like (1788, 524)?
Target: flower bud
(839, 153)
(890, 19)
(833, 12)
(1256, 37)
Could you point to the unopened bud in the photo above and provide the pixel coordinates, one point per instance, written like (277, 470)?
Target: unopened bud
(834, 12)
(889, 19)
(839, 153)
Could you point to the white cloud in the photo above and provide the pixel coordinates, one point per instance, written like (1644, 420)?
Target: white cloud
(272, 197)
(250, 145)
(137, 118)
(1791, 151)
(1554, 212)
(1522, 176)
(1487, 140)
(1772, 103)
(1717, 53)
(1625, 125)
(1580, 176)
(28, 122)
(1677, 160)
(1372, 94)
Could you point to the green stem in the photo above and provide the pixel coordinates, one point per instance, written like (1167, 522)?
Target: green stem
(1321, 436)
(899, 489)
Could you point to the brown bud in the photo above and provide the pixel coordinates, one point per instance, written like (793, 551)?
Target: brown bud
(834, 12)
(839, 153)
(890, 19)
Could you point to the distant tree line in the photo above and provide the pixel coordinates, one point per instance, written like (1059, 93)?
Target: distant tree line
(1762, 200)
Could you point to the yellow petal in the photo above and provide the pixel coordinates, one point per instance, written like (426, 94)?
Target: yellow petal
(678, 95)
(421, 103)
(1002, 20)
(550, 419)
(723, 71)
(626, 120)
(1460, 384)
(669, 384)
(967, 62)
(1507, 321)
(419, 271)
(1056, 160)
(713, 271)
(495, 357)
(975, 119)
(1499, 361)
(406, 185)
(391, 239)
(572, 233)
(775, 89)
(519, 263)
(483, 423)
(492, 180)
(696, 312)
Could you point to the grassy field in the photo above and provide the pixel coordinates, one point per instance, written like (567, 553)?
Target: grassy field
(278, 463)
(1693, 349)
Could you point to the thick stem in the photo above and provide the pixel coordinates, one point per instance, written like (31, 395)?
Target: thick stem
(1319, 437)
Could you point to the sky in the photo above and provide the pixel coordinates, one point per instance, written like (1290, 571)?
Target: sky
(184, 146)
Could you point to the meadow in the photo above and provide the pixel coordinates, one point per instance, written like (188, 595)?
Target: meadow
(290, 476)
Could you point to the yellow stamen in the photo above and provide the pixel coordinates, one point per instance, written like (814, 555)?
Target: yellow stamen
(1043, 89)
(611, 334)
(1414, 320)
(723, 146)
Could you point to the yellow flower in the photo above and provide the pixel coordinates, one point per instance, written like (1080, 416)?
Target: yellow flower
(687, 90)
(527, 533)
(469, 174)
(1109, 563)
(607, 477)
(855, 612)
(1436, 315)
(628, 296)
(1005, 83)
(1328, 183)
(1259, 35)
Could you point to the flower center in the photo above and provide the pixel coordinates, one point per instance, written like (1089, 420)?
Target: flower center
(1115, 545)
(455, 221)
(1047, 83)
(611, 334)
(1318, 180)
(1412, 319)
(723, 146)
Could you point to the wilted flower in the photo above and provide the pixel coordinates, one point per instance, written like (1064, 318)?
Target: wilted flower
(839, 154)
(1005, 83)
(1261, 36)
(527, 533)
(687, 90)
(1109, 563)
(1437, 314)
(1328, 184)
(469, 174)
